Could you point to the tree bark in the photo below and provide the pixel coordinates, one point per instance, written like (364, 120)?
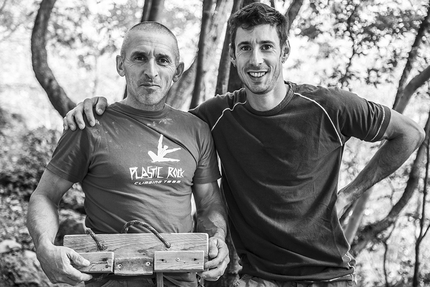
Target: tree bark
(146, 10)
(39, 58)
(422, 229)
(157, 8)
(207, 6)
(225, 64)
(292, 12)
(182, 90)
(410, 89)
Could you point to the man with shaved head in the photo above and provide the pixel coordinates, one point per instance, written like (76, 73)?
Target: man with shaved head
(143, 161)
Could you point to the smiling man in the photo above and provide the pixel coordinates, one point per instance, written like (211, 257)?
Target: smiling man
(281, 147)
(143, 161)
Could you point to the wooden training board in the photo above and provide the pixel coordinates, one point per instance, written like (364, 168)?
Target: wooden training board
(133, 253)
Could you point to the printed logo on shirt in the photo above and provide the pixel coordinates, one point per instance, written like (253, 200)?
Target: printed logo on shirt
(157, 174)
(162, 152)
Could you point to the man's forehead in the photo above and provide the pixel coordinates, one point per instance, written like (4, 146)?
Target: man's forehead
(259, 33)
(152, 43)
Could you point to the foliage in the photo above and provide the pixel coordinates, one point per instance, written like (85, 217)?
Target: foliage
(80, 27)
(24, 154)
(373, 30)
(15, 15)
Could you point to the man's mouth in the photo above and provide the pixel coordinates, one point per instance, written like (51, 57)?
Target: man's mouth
(257, 74)
(150, 85)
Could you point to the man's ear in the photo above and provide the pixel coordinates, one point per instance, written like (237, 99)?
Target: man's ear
(120, 66)
(179, 71)
(285, 51)
(232, 56)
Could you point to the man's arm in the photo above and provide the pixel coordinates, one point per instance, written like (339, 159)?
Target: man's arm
(211, 219)
(403, 136)
(76, 116)
(42, 223)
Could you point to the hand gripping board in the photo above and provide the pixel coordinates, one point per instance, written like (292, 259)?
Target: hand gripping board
(141, 253)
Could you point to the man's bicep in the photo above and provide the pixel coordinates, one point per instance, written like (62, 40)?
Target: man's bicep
(52, 186)
(400, 125)
(206, 194)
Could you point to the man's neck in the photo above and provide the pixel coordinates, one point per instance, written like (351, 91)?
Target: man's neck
(267, 101)
(141, 106)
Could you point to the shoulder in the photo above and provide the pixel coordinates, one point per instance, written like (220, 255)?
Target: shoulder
(187, 119)
(320, 93)
(214, 107)
(327, 97)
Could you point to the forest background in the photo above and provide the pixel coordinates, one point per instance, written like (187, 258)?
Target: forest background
(56, 53)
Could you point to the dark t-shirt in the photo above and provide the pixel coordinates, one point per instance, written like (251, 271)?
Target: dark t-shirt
(280, 174)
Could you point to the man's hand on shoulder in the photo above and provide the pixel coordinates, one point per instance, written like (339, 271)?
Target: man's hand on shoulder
(75, 117)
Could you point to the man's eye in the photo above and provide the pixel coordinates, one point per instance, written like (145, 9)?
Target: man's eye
(139, 58)
(267, 47)
(245, 48)
(164, 61)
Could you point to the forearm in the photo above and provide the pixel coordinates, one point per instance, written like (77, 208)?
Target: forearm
(392, 154)
(42, 220)
(212, 220)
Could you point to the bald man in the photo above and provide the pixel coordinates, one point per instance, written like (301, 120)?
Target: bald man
(143, 160)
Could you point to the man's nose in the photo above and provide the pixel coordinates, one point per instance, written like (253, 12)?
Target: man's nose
(256, 57)
(151, 69)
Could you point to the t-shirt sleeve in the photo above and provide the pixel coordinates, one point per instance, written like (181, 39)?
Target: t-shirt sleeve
(70, 159)
(207, 166)
(361, 118)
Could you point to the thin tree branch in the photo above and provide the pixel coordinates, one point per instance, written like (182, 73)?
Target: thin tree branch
(413, 54)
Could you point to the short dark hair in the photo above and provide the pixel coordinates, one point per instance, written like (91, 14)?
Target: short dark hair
(257, 14)
(155, 27)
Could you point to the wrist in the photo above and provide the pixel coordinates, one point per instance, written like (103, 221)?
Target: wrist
(42, 244)
(219, 235)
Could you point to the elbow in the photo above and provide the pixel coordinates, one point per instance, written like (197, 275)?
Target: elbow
(413, 132)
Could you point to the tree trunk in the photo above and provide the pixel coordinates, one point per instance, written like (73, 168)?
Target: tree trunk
(176, 96)
(182, 89)
(410, 89)
(206, 14)
(292, 12)
(146, 10)
(39, 57)
(422, 229)
(157, 8)
(225, 64)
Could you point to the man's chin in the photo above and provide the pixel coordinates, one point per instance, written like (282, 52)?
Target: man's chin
(258, 88)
